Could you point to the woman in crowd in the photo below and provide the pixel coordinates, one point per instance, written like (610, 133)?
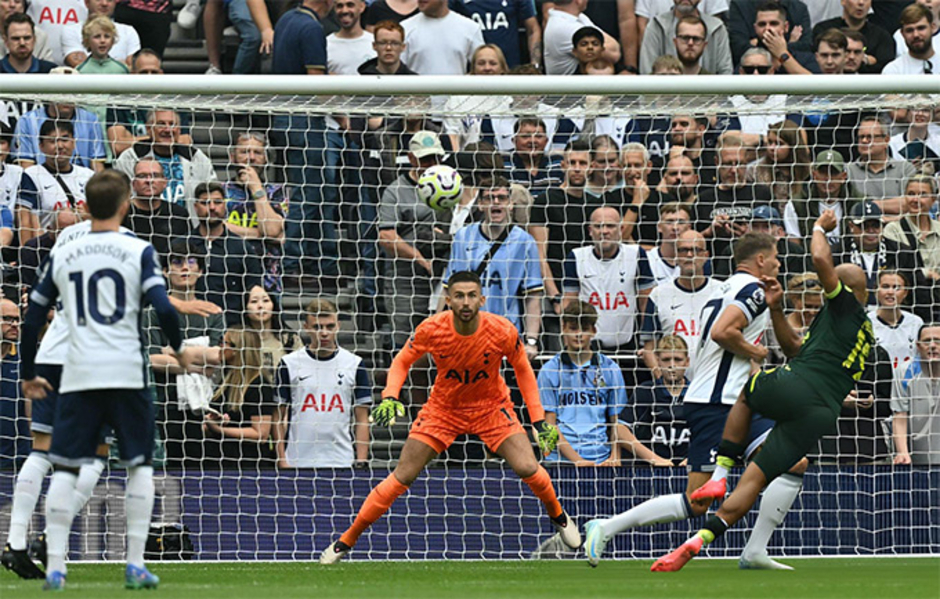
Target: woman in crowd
(238, 427)
(263, 318)
(464, 130)
(784, 163)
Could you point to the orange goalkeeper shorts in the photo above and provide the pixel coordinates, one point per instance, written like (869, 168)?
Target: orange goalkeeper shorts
(438, 428)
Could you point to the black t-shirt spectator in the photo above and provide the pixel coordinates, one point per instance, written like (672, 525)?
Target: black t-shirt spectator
(645, 232)
(232, 269)
(159, 227)
(248, 454)
(880, 43)
(566, 217)
(380, 11)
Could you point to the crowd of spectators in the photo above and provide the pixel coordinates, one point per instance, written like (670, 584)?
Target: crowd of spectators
(600, 236)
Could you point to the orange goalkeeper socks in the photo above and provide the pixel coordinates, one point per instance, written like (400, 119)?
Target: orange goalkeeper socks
(541, 485)
(377, 503)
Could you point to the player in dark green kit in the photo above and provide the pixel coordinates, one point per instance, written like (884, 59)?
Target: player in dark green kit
(804, 397)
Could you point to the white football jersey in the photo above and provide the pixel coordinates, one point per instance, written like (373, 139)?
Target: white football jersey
(322, 395)
(718, 375)
(662, 270)
(675, 311)
(11, 176)
(611, 286)
(54, 346)
(49, 196)
(101, 279)
(900, 340)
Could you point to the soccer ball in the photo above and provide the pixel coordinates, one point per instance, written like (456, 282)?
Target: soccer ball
(439, 187)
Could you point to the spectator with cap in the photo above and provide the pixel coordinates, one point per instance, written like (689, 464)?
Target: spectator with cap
(19, 37)
(413, 238)
(855, 18)
(827, 189)
(917, 23)
(126, 40)
(440, 41)
(587, 47)
(866, 246)
(564, 19)
(41, 47)
(682, 32)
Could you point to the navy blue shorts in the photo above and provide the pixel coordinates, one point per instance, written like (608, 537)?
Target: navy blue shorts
(44, 409)
(82, 414)
(706, 424)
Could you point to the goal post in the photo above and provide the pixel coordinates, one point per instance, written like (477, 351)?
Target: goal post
(323, 211)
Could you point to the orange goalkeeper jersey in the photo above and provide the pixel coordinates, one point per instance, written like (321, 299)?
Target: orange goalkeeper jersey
(468, 367)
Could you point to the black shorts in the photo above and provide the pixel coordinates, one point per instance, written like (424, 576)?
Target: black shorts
(802, 417)
(81, 415)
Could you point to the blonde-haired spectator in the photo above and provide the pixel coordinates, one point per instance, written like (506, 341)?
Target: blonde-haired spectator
(73, 46)
(99, 34)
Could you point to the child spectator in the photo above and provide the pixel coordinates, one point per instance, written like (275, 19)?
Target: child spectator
(588, 45)
(98, 36)
(657, 405)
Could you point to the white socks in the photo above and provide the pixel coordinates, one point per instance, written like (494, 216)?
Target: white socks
(26, 496)
(720, 472)
(138, 501)
(776, 502)
(59, 516)
(668, 508)
(87, 481)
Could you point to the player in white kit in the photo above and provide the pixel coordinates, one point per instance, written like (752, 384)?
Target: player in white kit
(323, 389)
(733, 322)
(103, 280)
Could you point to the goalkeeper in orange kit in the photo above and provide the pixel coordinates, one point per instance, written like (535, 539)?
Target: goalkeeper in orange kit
(469, 397)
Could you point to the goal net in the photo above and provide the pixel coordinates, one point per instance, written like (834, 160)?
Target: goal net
(280, 201)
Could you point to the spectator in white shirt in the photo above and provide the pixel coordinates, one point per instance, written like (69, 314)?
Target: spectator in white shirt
(439, 41)
(917, 31)
(53, 17)
(563, 21)
(351, 45)
(126, 44)
(934, 7)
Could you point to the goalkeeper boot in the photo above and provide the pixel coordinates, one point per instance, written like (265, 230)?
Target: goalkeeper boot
(18, 562)
(595, 542)
(55, 581)
(568, 530)
(713, 489)
(140, 578)
(680, 557)
(760, 562)
(37, 549)
(334, 553)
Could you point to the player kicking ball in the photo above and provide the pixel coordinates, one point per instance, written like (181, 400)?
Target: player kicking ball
(103, 280)
(804, 397)
(469, 397)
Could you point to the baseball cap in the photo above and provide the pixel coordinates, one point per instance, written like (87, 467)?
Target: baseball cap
(831, 159)
(866, 210)
(425, 143)
(766, 213)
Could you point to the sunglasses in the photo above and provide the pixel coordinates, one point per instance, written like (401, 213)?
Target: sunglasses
(756, 69)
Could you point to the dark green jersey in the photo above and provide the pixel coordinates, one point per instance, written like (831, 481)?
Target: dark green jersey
(836, 347)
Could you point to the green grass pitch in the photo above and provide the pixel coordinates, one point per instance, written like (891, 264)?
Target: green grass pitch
(862, 578)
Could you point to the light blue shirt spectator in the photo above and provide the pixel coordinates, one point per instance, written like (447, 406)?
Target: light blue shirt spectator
(89, 141)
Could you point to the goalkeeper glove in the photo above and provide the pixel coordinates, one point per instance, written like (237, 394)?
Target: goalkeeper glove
(547, 436)
(385, 413)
